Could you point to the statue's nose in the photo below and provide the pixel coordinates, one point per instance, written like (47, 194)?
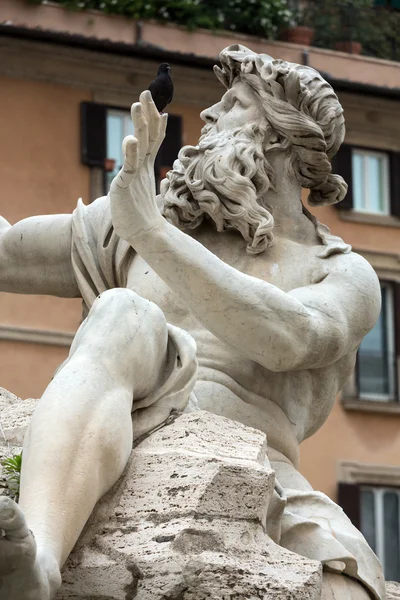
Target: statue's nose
(209, 115)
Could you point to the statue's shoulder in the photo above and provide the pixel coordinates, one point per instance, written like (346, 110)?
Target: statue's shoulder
(353, 271)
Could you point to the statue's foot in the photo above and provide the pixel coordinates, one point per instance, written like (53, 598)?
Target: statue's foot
(25, 573)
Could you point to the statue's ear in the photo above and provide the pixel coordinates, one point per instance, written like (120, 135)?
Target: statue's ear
(276, 141)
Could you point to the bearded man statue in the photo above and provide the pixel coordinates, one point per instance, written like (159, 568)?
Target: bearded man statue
(226, 256)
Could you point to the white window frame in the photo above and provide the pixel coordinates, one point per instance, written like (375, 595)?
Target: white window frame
(378, 493)
(366, 208)
(391, 396)
(125, 115)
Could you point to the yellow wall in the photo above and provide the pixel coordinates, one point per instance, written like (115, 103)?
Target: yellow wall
(370, 438)
(348, 435)
(40, 173)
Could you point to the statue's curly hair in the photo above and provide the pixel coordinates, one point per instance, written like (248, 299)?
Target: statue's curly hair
(303, 110)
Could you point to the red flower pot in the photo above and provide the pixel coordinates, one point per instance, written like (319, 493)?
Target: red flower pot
(109, 164)
(349, 47)
(299, 35)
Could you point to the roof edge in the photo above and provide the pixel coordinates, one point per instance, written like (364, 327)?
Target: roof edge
(148, 51)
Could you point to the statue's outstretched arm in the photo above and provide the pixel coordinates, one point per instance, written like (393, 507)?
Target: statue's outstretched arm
(35, 256)
(310, 327)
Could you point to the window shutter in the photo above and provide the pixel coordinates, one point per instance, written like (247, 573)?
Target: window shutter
(172, 143)
(394, 167)
(396, 309)
(93, 133)
(350, 500)
(342, 165)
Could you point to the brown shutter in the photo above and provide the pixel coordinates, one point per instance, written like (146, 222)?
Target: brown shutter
(349, 499)
(395, 183)
(93, 133)
(341, 164)
(396, 309)
(172, 142)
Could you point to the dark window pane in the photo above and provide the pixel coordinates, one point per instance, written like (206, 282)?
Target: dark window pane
(368, 517)
(391, 533)
(373, 357)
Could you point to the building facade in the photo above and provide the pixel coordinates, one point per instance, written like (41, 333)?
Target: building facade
(67, 81)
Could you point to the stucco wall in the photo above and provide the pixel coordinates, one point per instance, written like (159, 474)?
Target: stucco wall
(40, 173)
(368, 438)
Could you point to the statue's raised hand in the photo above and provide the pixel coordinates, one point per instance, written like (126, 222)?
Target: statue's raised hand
(133, 191)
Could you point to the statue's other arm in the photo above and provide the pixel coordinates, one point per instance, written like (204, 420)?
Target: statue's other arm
(309, 327)
(35, 256)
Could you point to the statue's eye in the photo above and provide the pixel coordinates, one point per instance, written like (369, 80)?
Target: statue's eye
(237, 102)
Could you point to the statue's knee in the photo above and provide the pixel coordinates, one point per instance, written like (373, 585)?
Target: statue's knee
(116, 303)
(123, 316)
(120, 308)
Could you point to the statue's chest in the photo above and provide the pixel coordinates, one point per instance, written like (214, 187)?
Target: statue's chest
(286, 265)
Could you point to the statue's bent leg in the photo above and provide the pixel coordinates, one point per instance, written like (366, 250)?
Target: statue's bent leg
(79, 439)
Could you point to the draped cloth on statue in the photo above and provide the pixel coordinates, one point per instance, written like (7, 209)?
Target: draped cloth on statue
(100, 261)
(302, 520)
(313, 526)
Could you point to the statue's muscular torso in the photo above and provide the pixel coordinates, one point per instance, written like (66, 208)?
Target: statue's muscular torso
(289, 406)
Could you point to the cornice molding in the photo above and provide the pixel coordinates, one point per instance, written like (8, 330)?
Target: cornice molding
(361, 473)
(386, 265)
(113, 79)
(13, 333)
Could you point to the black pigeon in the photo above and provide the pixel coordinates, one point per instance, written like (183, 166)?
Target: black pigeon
(162, 87)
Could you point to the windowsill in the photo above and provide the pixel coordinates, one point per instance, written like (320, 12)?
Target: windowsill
(369, 218)
(375, 406)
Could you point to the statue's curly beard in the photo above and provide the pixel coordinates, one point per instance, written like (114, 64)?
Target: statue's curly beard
(225, 178)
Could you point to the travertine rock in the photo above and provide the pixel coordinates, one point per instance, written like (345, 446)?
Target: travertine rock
(393, 590)
(186, 521)
(14, 419)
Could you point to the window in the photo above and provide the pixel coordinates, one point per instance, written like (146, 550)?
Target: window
(370, 181)
(373, 179)
(119, 125)
(103, 129)
(370, 497)
(376, 359)
(380, 524)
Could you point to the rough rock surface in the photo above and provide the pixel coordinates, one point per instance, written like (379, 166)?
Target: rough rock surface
(184, 522)
(393, 590)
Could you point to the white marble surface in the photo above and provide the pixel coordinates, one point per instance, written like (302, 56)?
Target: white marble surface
(276, 305)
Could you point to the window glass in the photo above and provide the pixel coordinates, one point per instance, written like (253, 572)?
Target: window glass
(368, 517)
(375, 360)
(391, 535)
(370, 181)
(380, 524)
(358, 181)
(373, 166)
(119, 125)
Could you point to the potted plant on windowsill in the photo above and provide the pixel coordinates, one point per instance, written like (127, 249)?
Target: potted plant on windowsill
(352, 19)
(300, 32)
(342, 24)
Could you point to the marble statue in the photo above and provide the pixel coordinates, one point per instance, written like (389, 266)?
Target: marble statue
(222, 294)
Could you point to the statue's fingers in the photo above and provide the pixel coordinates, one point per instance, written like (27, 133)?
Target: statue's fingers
(141, 129)
(131, 152)
(161, 134)
(153, 117)
(131, 160)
